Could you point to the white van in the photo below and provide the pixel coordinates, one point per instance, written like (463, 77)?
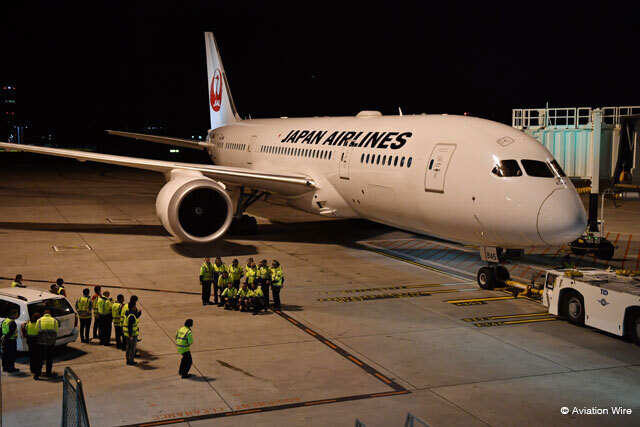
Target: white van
(29, 301)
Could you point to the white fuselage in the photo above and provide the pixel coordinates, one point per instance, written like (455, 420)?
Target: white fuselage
(429, 174)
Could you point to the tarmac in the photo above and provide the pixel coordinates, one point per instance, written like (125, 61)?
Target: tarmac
(364, 331)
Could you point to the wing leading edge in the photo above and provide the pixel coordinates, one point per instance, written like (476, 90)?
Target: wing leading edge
(287, 185)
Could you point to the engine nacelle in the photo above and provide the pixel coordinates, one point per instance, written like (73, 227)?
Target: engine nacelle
(194, 208)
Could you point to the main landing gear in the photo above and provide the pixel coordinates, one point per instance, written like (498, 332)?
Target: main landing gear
(242, 223)
(494, 275)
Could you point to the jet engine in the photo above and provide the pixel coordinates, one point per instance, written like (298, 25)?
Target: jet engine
(194, 208)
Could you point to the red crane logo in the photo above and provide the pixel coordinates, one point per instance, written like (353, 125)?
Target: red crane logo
(216, 90)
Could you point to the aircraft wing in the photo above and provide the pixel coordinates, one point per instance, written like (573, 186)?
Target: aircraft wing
(287, 185)
(178, 142)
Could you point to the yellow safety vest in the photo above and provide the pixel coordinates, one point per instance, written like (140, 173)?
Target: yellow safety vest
(230, 292)
(222, 282)
(235, 272)
(104, 306)
(184, 339)
(32, 329)
(206, 271)
(115, 313)
(264, 272)
(244, 294)
(16, 284)
(136, 327)
(219, 268)
(46, 323)
(276, 277)
(251, 273)
(5, 328)
(95, 305)
(257, 293)
(83, 306)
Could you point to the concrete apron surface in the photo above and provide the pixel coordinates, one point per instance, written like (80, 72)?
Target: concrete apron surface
(360, 335)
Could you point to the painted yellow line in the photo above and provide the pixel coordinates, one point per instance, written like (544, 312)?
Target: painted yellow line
(248, 411)
(330, 345)
(509, 316)
(391, 393)
(162, 422)
(309, 331)
(319, 402)
(383, 378)
(353, 359)
(292, 321)
(455, 301)
(512, 322)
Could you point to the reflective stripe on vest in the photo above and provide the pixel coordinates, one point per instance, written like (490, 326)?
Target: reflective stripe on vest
(136, 328)
(5, 328)
(46, 323)
(32, 329)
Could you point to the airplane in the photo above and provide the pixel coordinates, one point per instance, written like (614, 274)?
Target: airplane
(458, 178)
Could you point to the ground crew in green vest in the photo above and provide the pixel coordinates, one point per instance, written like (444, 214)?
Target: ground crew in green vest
(116, 315)
(277, 281)
(223, 282)
(46, 325)
(264, 279)
(60, 287)
(257, 298)
(104, 316)
(218, 269)
(184, 339)
(9, 342)
(94, 301)
(235, 273)
(123, 314)
(250, 272)
(84, 308)
(30, 333)
(18, 282)
(244, 298)
(206, 278)
(131, 331)
(230, 296)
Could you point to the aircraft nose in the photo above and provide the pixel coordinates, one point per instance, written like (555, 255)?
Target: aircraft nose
(561, 218)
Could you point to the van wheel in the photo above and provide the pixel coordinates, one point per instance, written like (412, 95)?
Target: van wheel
(487, 278)
(634, 327)
(573, 308)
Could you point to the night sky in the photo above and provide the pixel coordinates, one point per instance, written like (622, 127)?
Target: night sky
(82, 68)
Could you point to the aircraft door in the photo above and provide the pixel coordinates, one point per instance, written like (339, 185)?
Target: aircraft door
(344, 162)
(437, 167)
(250, 147)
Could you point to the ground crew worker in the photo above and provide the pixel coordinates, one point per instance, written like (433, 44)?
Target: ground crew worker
(94, 301)
(223, 281)
(116, 315)
(230, 296)
(47, 334)
(257, 299)
(131, 331)
(104, 316)
(206, 278)
(30, 332)
(60, 287)
(250, 272)
(18, 282)
(184, 339)
(84, 308)
(244, 298)
(218, 269)
(264, 277)
(9, 342)
(235, 273)
(277, 280)
(123, 314)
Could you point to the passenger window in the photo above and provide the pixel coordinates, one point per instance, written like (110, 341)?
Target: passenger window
(362, 158)
(537, 168)
(384, 160)
(506, 168)
(557, 170)
(395, 161)
(389, 161)
(6, 307)
(368, 158)
(409, 162)
(378, 160)
(402, 162)
(330, 154)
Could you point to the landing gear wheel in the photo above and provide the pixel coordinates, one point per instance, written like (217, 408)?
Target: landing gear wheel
(605, 251)
(502, 274)
(244, 225)
(573, 308)
(487, 278)
(634, 327)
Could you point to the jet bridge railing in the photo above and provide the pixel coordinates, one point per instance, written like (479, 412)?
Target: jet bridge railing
(74, 410)
(571, 117)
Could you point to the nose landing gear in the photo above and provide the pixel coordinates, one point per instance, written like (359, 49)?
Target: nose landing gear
(494, 275)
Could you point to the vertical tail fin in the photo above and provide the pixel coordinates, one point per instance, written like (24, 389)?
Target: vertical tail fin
(221, 107)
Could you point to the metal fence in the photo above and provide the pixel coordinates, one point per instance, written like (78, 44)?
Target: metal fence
(410, 421)
(74, 410)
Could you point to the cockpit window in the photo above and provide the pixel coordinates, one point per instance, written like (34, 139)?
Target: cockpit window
(507, 168)
(557, 169)
(537, 168)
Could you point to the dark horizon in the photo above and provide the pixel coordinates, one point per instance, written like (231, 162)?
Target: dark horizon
(80, 70)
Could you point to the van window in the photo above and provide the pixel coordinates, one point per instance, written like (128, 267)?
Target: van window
(537, 168)
(6, 307)
(507, 168)
(57, 307)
